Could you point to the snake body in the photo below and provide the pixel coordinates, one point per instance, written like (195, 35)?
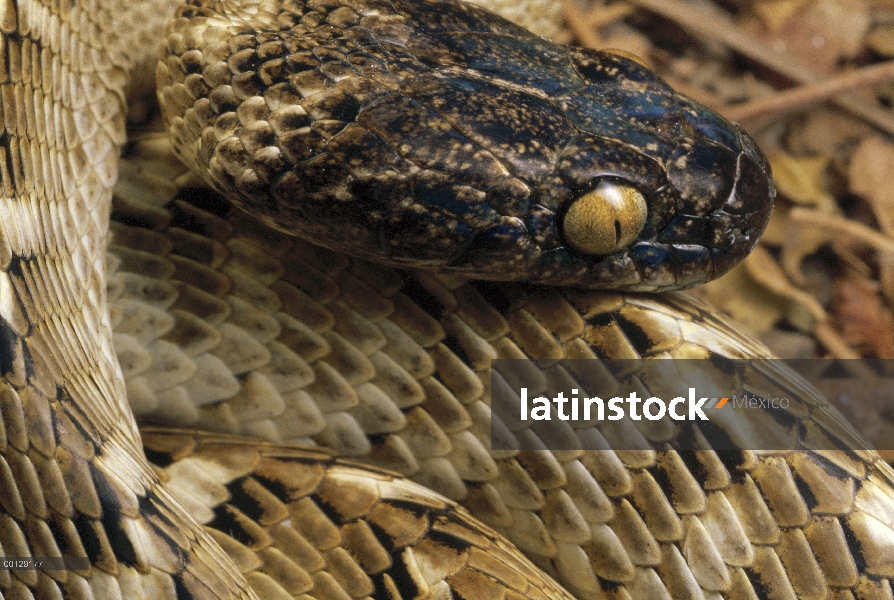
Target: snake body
(383, 366)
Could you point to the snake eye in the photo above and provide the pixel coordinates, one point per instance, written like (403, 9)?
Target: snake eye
(605, 219)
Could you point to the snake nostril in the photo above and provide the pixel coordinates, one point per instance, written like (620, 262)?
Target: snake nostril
(605, 219)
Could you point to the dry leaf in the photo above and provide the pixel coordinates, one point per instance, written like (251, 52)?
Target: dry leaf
(823, 33)
(826, 130)
(803, 180)
(870, 177)
(881, 39)
(800, 243)
(864, 320)
(774, 14)
(805, 310)
(746, 301)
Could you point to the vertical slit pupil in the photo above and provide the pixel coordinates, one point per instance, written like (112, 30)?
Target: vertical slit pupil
(617, 231)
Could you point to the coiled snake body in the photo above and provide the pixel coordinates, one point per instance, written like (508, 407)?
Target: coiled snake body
(222, 323)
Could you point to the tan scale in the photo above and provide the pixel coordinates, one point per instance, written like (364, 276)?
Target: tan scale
(238, 329)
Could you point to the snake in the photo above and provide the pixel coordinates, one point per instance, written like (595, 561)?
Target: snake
(459, 187)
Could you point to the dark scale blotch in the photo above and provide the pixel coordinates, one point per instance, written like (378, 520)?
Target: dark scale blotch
(586, 159)
(694, 265)
(90, 537)
(503, 245)
(299, 62)
(328, 53)
(229, 520)
(67, 543)
(523, 131)
(807, 494)
(105, 490)
(329, 128)
(531, 62)
(463, 203)
(157, 458)
(497, 295)
(273, 72)
(663, 206)
(423, 234)
(646, 119)
(117, 536)
(541, 223)
(638, 337)
(241, 496)
(248, 84)
(272, 49)
(275, 486)
(150, 510)
(655, 262)
(287, 121)
(708, 123)
(9, 341)
(223, 100)
(454, 346)
(685, 229)
(854, 546)
(191, 62)
(364, 152)
(301, 144)
(244, 61)
(382, 193)
(320, 173)
(424, 299)
(595, 67)
(427, 140)
(257, 137)
(702, 173)
(287, 20)
(242, 41)
(331, 104)
(401, 578)
(717, 436)
(510, 197)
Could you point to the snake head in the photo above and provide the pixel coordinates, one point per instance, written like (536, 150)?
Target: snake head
(437, 135)
(653, 192)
